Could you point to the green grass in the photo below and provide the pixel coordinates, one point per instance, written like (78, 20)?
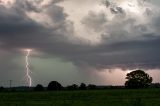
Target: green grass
(121, 97)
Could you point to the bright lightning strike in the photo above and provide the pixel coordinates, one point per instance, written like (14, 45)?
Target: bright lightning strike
(29, 79)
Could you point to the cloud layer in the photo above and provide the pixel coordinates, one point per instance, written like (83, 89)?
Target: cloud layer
(110, 35)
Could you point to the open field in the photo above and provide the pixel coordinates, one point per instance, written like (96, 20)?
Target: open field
(115, 97)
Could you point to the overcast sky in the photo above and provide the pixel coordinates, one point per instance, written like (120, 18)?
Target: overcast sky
(74, 41)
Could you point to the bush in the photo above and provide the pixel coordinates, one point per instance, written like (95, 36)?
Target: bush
(72, 87)
(54, 85)
(91, 86)
(1, 89)
(39, 88)
(83, 86)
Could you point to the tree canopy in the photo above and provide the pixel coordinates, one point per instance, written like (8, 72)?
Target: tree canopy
(138, 79)
(54, 85)
(83, 86)
(39, 87)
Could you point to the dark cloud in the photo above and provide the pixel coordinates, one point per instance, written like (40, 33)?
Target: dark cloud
(114, 8)
(95, 21)
(17, 30)
(125, 43)
(117, 10)
(107, 3)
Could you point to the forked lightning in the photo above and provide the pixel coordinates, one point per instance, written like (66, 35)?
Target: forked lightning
(29, 79)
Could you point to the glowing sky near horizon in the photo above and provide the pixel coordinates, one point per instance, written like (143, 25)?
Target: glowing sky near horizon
(94, 41)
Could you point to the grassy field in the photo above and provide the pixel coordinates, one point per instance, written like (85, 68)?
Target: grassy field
(121, 97)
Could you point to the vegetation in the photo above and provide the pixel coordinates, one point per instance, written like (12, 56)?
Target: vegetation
(72, 87)
(39, 88)
(57, 95)
(54, 86)
(138, 79)
(1, 89)
(110, 97)
(83, 86)
(92, 87)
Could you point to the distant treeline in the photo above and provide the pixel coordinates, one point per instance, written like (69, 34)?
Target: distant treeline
(56, 86)
(137, 79)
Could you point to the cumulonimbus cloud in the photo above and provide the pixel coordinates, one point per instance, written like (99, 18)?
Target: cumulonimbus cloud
(127, 38)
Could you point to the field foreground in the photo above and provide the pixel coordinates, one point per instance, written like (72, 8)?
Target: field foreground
(121, 97)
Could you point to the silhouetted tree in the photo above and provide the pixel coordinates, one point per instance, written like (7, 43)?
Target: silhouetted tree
(138, 79)
(83, 86)
(54, 85)
(91, 86)
(1, 89)
(39, 88)
(72, 87)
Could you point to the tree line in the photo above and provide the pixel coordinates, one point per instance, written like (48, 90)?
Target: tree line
(56, 86)
(134, 80)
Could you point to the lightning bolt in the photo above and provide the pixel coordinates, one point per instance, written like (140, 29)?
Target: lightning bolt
(29, 78)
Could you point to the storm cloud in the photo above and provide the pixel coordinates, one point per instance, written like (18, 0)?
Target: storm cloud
(114, 37)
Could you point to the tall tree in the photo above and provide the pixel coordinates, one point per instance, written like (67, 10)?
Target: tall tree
(138, 79)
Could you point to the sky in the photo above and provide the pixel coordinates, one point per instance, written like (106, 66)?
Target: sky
(74, 41)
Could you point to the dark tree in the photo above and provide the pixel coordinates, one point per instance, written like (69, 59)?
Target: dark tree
(72, 87)
(39, 88)
(91, 86)
(54, 85)
(138, 79)
(83, 86)
(1, 89)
